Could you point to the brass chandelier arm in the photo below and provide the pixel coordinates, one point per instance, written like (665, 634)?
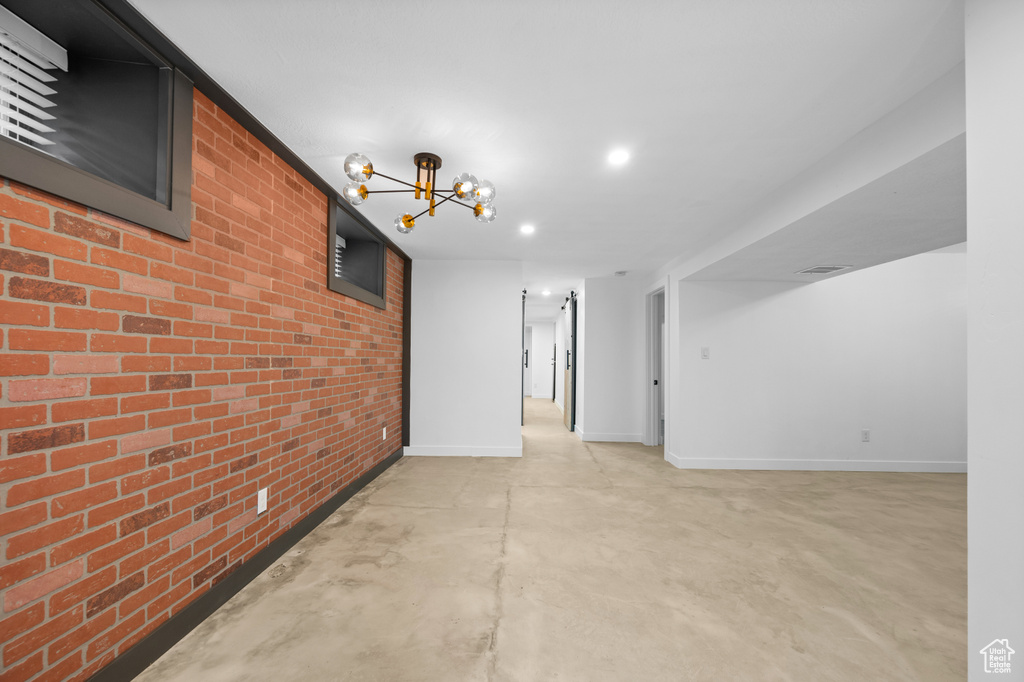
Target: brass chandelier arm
(449, 198)
(401, 182)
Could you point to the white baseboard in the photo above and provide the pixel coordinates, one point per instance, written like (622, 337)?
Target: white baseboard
(817, 465)
(560, 407)
(461, 451)
(611, 437)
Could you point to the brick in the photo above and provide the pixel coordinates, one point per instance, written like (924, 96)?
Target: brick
(190, 533)
(85, 364)
(113, 595)
(146, 363)
(207, 573)
(86, 274)
(211, 506)
(116, 468)
(21, 390)
(45, 197)
(147, 286)
(23, 364)
(82, 454)
(145, 518)
(13, 468)
(26, 670)
(160, 344)
(20, 417)
(83, 544)
(243, 463)
(30, 314)
(119, 260)
(118, 385)
(13, 572)
(76, 638)
(41, 439)
(42, 290)
(84, 409)
(42, 635)
(108, 300)
(148, 248)
(70, 318)
(20, 519)
(134, 324)
(169, 309)
(157, 420)
(81, 500)
(144, 479)
(167, 382)
(144, 441)
(22, 622)
(51, 533)
(116, 509)
(116, 343)
(13, 208)
(104, 428)
(165, 528)
(110, 638)
(39, 340)
(85, 229)
(111, 553)
(25, 263)
(145, 402)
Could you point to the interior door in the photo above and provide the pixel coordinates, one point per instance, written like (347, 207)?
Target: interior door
(569, 417)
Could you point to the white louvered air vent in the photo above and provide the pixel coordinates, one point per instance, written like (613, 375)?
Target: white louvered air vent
(25, 98)
(338, 250)
(823, 269)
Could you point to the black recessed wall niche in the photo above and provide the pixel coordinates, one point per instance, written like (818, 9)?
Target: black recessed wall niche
(355, 256)
(120, 120)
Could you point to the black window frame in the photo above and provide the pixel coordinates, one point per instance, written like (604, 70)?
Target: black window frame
(338, 211)
(37, 169)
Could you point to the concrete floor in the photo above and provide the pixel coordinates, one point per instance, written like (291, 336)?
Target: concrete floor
(601, 561)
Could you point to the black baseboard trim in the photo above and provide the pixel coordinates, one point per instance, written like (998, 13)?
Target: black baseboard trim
(132, 662)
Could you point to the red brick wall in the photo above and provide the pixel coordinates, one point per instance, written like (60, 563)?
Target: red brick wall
(151, 386)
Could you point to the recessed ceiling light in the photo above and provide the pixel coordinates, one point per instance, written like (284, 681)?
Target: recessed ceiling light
(526, 229)
(545, 293)
(620, 273)
(618, 157)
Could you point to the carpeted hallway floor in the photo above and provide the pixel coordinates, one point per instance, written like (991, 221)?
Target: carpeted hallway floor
(601, 561)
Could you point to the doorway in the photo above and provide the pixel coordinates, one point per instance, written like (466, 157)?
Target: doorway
(569, 309)
(654, 423)
(527, 370)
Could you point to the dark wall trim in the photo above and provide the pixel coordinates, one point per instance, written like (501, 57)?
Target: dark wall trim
(138, 23)
(131, 663)
(406, 349)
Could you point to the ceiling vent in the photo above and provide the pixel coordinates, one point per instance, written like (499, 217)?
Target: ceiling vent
(823, 269)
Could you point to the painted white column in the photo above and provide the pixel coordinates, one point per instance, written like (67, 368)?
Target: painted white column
(995, 236)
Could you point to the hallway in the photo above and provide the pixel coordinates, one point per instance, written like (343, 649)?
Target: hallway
(600, 561)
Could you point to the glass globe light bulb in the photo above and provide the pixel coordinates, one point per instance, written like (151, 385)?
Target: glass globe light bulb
(358, 167)
(485, 192)
(354, 193)
(465, 186)
(485, 214)
(404, 223)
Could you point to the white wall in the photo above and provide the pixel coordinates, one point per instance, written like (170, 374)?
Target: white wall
(540, 358)
(612, 363)
(995, 216)
(465, 379)
(797, 371)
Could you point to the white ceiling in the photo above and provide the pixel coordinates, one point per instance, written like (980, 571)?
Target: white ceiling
(718, 102)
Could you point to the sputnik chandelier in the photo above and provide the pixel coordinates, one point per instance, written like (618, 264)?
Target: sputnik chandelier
(466, 187)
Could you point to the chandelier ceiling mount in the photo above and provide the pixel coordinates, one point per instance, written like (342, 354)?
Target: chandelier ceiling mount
(465, 188)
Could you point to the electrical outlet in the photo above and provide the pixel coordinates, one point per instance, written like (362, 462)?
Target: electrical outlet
(865, 435)
(705, 353)
(385, 436)
(261, 501)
